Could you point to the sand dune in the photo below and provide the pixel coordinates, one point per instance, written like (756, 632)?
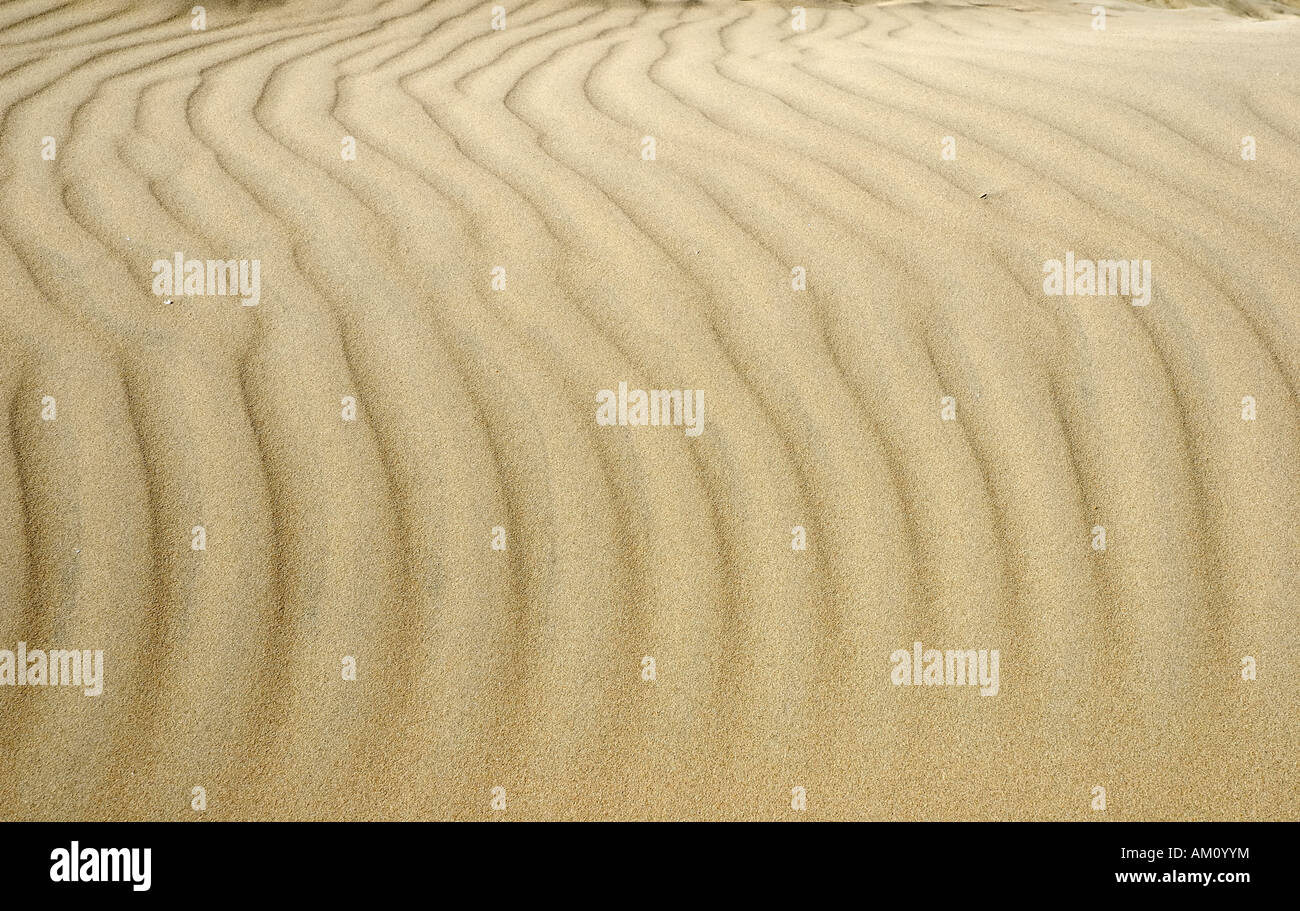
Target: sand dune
(525, 148)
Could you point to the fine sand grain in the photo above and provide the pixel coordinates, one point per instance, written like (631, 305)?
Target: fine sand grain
(524, 148)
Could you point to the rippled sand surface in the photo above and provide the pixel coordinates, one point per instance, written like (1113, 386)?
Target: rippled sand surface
(916, 164)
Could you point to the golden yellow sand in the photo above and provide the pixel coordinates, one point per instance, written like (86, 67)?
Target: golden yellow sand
(522, 669)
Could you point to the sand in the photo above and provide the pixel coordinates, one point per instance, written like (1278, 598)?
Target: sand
(919, 162)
